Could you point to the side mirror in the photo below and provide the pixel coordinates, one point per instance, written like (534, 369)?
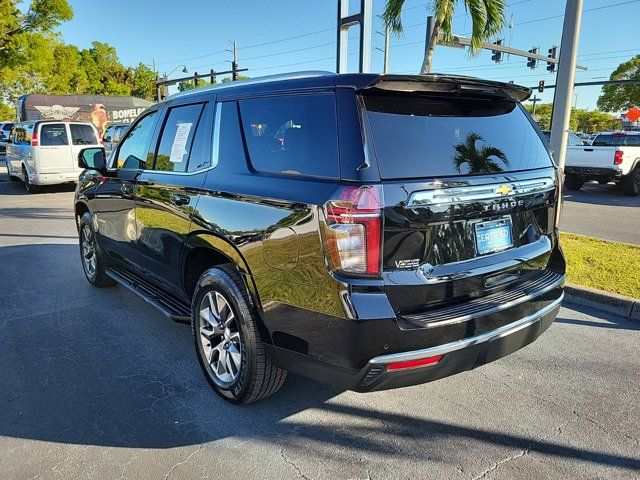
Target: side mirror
(92, 159)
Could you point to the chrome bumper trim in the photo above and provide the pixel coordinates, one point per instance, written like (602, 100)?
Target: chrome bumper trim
(467, 342)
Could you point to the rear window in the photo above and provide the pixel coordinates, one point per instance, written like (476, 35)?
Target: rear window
(617, 140)
(53, 134)
(434, 136)
(292, 134)
(83, 134)
(7, 127)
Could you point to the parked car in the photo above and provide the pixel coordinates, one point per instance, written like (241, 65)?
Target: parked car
(613, 156)
(5, 129)
(113, 135)
(368, 231)
(46, 152)
(573, 140)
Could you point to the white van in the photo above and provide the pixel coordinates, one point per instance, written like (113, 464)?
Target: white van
(46, 152)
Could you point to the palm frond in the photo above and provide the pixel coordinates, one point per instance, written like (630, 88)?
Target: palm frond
(392, 15)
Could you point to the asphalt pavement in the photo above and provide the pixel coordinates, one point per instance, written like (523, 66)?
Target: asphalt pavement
(96, 384)
(602, 211)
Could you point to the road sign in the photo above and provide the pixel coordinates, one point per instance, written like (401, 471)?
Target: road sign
(633, 114)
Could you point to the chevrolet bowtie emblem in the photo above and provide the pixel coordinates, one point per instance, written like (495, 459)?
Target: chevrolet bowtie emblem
(504, 190)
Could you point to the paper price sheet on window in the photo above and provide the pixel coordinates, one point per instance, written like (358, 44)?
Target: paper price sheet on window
(179, 147)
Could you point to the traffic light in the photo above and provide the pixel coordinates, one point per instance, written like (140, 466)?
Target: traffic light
(552, 53)
(532, 62)
(497, 56)
(541, 86)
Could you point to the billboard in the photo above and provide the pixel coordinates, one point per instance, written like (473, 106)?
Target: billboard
(101, 110)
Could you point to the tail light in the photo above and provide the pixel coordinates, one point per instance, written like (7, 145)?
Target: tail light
(353, 233)
(410, 364)
(617, 159)
(34, 139)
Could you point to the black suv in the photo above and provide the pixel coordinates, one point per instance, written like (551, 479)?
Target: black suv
(368, 231)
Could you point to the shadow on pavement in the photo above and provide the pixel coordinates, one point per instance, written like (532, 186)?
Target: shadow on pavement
(595, 194)
(99, 367)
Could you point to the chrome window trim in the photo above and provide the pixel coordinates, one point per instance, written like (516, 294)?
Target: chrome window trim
(468, 342)
(456, 195)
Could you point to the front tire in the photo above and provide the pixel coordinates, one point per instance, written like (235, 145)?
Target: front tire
(228, 344)
(573, 182)
(93, 261)
(631, 183)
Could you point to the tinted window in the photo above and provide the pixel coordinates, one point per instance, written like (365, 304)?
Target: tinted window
(427, 137)
(177, 137)
(108, 135)
(7, 127)
(200, 157)
(133, 149)
(83, 134)
(53, 134)
(118, 132)
(295, 134)
(616, 140)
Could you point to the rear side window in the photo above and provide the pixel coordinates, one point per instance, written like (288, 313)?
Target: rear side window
(7, 127)
(83, 134)
(435, 136)
(53, 134)
(177, 137)
(292, 134)
(617, 141)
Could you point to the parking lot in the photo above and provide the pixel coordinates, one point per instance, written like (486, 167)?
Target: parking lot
(602, 211)
(96, 384)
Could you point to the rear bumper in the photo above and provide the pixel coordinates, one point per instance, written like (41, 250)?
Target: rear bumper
(358, 356)
(53, 178)
(594, 172)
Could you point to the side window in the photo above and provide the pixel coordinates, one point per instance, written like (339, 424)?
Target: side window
(176, 138)
(200, 157)
(20, 136)
(133, 149)
(53, 134)
(292, 134)
(108, 135)
(83, 134)
(574, 139)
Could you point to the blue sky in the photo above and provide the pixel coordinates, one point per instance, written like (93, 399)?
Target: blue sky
(287, 35)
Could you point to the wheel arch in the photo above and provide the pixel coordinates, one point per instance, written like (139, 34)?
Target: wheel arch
(80, 208)
(204, 251)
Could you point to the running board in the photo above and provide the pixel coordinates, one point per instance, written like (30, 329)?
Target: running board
(169, 305)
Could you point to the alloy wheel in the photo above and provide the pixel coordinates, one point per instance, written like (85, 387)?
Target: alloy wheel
(89, 260)
(220, 339)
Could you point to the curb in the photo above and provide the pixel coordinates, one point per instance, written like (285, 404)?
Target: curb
(626, 307)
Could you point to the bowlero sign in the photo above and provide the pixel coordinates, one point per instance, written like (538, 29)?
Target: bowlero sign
(101, 110)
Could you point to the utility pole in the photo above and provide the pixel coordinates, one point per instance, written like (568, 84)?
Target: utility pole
(564, 81)
(387, 48)
(234, 64)
(534, 100)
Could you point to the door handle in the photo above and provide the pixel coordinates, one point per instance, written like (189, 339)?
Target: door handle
(179, 200)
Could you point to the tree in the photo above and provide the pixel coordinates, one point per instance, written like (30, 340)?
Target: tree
(487, 18)
(143, 81)
(478, 160)
(616, 98)
(581, 120)
(7, 113)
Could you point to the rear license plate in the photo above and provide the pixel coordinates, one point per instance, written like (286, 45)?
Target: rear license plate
(493, 236)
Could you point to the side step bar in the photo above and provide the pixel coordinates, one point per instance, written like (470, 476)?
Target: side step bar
(169, 305)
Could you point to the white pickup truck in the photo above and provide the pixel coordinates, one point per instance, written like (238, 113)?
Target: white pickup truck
(612, 157)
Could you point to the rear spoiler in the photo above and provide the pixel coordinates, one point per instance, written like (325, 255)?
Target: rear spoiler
(437, 83)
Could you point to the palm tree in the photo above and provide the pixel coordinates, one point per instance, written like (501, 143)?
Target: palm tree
(487, 17)
(478, 159)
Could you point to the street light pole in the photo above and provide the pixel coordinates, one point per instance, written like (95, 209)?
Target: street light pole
(564, 81)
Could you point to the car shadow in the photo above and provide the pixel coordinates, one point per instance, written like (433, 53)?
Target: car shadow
(91, 366)
(592, 193)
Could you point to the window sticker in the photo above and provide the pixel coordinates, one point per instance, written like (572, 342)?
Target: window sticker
(178, 149)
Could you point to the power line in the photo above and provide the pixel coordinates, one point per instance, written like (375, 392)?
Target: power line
(584, 11)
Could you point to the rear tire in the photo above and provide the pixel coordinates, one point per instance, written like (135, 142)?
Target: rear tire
(29, 187)
(573, 182)
(228, 344)
(603, 182)
(93, 261)
(631, 183)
